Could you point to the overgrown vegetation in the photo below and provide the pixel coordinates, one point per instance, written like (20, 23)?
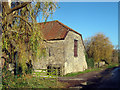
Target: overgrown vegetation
(28, 81)
(21, 36)
(23, 43)
(90, 61)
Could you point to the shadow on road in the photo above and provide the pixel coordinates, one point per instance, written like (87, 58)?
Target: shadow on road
(109, 78)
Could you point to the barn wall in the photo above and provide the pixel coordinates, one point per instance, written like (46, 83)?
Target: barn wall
(62, 54)
(54, 55)
(74, 64)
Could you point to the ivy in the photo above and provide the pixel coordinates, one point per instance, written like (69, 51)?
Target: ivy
(22, 33)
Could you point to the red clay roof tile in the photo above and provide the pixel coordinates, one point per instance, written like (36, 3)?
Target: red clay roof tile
(55, 30)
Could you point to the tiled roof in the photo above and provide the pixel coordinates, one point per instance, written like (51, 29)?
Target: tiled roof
(54, 30)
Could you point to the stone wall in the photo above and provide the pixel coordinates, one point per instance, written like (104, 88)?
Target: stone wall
(74, 64)
(54, 55)
(61, 53)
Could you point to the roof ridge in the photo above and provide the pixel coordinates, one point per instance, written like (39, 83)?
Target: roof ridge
(62, 25)
(48, 21)
(68, 27)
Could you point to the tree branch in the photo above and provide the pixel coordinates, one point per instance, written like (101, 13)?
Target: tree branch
(23, 20)
(18, 7)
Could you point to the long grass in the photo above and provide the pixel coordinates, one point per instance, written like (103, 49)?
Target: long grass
(28, 81)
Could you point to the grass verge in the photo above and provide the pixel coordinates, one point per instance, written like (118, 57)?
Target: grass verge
(112, 65)
(77, 73)
(90, 70)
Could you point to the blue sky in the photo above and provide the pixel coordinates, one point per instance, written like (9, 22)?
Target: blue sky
(89, 18)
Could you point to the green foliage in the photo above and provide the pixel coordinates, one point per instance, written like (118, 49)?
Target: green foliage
(44, 72)
(91, 70)
(28, 81)
(5, 66)
(22, 34)
(112, 65)
(90, 61)
(86, 71)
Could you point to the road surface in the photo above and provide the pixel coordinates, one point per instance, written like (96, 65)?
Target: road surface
(113, 80)
(106, 78)
(108, 81)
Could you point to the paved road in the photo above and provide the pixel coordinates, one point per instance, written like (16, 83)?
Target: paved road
(106, 78)
(113, 80)
(108, 81)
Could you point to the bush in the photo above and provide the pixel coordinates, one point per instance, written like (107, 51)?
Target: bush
(90, 62)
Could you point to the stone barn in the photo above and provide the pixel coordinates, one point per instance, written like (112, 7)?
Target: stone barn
(64, 48)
